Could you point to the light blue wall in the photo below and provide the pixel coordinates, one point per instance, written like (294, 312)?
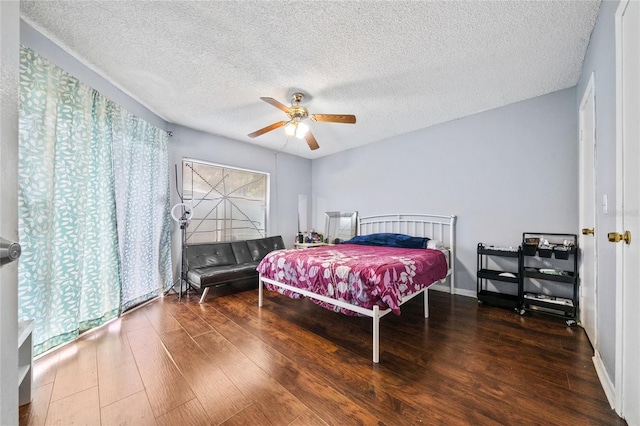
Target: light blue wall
(600, 59)
(502, 172)
(289, 175)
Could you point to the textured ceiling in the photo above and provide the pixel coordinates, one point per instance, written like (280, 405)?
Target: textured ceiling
(398, 66)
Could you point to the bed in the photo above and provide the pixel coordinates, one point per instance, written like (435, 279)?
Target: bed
(335, 276)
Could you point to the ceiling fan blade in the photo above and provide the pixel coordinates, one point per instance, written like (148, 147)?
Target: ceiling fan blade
(311, 140)
(267, 129)
(277, 104)
(334, 118)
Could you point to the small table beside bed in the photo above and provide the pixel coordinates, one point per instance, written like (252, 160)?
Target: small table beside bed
(393, 259)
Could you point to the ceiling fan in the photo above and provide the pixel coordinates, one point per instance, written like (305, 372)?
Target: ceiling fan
(294, 126)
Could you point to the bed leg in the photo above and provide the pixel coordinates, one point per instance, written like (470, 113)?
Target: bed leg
(426, 303)
(260, 291)
(376, 334)
(204, 294)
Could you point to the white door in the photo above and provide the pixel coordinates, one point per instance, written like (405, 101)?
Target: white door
(628, 331)
(588, 273)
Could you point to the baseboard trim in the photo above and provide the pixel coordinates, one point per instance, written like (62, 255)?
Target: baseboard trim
(605, 381)
(447, 289)
(466, 293)
(440, 287)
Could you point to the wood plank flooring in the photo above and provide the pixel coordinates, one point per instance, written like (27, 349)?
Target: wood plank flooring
(227, 362)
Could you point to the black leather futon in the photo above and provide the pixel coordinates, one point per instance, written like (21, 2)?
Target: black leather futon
(212, 264)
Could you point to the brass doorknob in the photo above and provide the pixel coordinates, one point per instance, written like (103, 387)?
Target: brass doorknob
(614, 237)
(587, 231)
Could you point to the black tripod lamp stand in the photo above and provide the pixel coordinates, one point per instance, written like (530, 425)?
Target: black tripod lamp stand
(182, 213)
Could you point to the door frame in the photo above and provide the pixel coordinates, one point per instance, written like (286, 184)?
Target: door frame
(619, 195)
(621, 286)
(589, 92)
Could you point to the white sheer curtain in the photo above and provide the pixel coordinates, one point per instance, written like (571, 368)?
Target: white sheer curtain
(141, 159)
(93, 205)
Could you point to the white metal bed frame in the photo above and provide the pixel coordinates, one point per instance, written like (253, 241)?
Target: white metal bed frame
(436, 227)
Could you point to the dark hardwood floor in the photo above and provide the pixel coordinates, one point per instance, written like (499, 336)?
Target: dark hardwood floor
(293, 363)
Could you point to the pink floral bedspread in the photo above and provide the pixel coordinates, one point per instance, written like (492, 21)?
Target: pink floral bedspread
(360, 275)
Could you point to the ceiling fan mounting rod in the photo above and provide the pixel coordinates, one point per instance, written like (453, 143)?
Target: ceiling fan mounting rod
(297, 112)
(296, 98)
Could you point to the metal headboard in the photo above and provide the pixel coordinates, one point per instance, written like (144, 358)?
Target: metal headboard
(434, 226)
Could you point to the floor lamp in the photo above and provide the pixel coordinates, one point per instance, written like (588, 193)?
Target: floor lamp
(182, 213)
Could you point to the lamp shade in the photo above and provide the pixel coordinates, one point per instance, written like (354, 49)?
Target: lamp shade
(301, 130)
(297, 129)
(290, 128)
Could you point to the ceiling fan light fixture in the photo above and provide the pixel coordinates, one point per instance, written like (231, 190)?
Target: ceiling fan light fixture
(297, 129)
(290, 128)
(301, 130)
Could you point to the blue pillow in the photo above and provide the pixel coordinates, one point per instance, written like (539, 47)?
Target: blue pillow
(389, 240)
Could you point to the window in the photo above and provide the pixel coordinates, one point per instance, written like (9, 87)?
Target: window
(228, 203)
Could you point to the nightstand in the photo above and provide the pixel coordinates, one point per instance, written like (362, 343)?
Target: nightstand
(309, 245)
